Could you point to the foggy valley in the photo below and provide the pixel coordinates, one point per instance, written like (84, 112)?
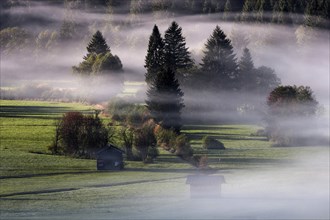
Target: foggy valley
(46, 47)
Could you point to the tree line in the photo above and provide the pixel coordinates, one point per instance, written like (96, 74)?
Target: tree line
(158, 123)
(315, 14)
(315, 7)
(171, 71)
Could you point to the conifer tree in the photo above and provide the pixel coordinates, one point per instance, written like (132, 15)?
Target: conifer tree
(155, 55)
(246, 10)
(207, 7)
(136, 9)
(312, 13)
(165, 100)
(324, 9)
(219, 63)
(247, 71)
(226, 10)
(177, 56)
(298, 6)
(282, 12)
(99, 58)
(261, 7)
(97, 45)
(246, 62)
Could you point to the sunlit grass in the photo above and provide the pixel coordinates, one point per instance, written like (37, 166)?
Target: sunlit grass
(33, 181)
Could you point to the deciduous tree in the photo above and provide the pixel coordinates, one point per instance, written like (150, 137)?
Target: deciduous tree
(290, 111)
(79, 135)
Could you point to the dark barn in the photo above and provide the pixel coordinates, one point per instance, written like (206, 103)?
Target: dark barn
(205, 186)
(110, 158)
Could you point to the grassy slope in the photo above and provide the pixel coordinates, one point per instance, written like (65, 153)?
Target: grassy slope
(44, 184)
(26, 129)
(243, 150)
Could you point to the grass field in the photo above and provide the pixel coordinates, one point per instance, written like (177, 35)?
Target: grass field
(37, 185)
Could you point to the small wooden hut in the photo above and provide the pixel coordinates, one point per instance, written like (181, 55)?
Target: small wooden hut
(110, 158)
(205, 186)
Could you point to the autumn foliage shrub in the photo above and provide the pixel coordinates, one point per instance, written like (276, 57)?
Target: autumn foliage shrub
(79, 135)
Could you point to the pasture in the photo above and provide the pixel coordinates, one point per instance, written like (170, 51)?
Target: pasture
(37, 185)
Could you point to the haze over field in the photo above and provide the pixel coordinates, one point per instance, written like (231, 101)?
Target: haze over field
(271, 45)
(41, 62)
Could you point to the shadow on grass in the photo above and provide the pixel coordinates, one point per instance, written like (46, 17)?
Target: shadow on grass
(200, 135)
(38, 192)
(47, 174)
(249, 160)
(206, 127)
(162, 170)
(33, 111)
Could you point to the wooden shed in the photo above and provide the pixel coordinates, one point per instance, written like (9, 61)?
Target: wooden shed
(205, 186)
(110, 158)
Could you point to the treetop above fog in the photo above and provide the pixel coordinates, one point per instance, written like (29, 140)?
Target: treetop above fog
(176, 53)
(99, 59)
(98, 44)
(292, 101)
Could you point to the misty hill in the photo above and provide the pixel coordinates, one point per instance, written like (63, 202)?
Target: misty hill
(285, 11)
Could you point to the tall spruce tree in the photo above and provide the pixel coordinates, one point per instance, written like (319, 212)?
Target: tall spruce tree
(219, 63)
(155, 55)
(165, 100)
(177, 56)
(247, 71)
(97, 45)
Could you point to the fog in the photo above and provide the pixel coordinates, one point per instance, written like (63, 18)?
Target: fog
(297, 190)
(291, 191)
(270, 45)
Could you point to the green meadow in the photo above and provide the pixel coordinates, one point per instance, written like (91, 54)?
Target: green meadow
(35, 183)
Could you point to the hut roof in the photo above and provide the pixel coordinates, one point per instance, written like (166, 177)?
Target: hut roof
(110, 146)
(204, 180)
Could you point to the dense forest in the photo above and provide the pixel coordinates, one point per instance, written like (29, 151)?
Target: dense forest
(251, 10)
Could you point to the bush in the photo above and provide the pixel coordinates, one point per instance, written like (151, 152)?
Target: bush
(144, 139)
(152, 154)
(182, 147)
(211, 143)
(79, 135)
(171, 141)
(260, 133)
(125, 112)
(166, 138)
(200, 161)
